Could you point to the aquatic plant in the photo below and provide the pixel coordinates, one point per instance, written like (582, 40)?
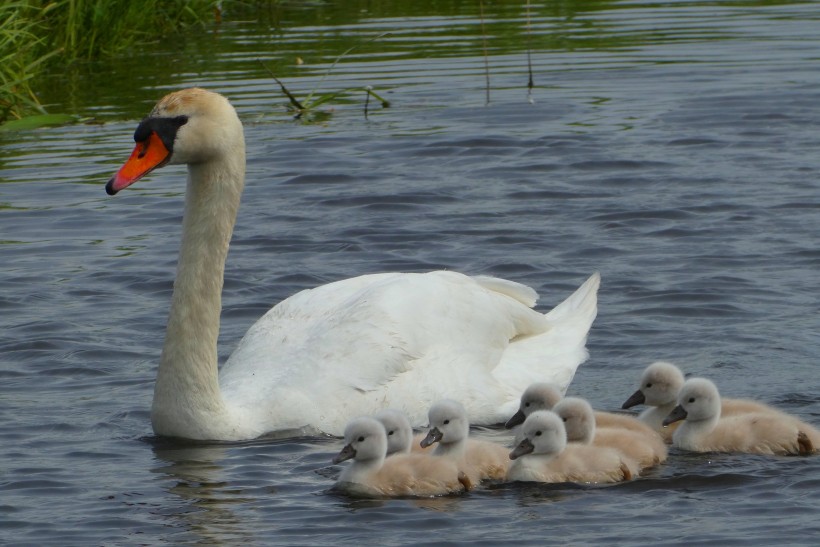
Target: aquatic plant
(308, 105)
(36, 33)
(22, 52)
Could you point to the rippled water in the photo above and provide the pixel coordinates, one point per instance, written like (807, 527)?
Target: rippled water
(670, 146)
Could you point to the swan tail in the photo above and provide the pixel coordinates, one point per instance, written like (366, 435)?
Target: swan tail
(553, 354)
(582, 304)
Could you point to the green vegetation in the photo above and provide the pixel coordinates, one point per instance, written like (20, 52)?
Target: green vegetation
(36, 33)
(307, 106)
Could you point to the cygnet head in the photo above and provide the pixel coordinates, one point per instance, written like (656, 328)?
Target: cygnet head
(191, 126)
(542, 433)
(448, 423)
(398, 429)
(538, 396)
(660, 383)
(365, 440)
(578, 418)
(698, 400)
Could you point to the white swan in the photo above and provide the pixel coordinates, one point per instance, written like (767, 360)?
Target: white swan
(371, 474)
(704, 430)
(341, 350)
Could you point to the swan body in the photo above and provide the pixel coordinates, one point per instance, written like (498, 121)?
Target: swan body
(660, 384)
(477, 459)
(642, 446)
(373, 475)
(543, 455)
(341, 350)
(704, 430)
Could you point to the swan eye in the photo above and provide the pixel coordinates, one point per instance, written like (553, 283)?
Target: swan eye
(527, 405)
(389, 432)
(446, 422)
(361, 439)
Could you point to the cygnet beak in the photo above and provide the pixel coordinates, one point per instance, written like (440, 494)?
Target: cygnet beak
(523, 448)
(433, 436)
(677, 414)
(517, 418)
(347, 452)
(635, 399)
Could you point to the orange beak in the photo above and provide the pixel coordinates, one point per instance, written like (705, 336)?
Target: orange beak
(147, 156)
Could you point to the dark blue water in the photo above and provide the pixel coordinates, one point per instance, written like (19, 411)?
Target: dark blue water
(677, 156)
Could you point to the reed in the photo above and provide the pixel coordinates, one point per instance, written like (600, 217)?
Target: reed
(36, 33)
(22, 52)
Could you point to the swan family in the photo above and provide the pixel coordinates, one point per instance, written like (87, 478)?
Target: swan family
(370, 357)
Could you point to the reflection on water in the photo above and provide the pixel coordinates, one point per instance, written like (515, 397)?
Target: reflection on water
(205, 498)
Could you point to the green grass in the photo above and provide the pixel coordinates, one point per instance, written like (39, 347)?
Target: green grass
(36, 33)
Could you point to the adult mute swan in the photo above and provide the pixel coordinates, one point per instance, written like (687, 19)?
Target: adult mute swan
(345, 349)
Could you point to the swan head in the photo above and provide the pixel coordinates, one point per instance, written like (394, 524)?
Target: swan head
(538, 396)
(398, 429)
(543, 432)
(660, 383)
(448, 423)
(698, 400)
(365, 440)
(191, 126)
(578, 418)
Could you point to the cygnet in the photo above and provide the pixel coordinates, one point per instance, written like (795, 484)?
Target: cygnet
(704, 430)
(543, 455)
(373, 475)
(660, 383)
(644, 447)
(450, 428)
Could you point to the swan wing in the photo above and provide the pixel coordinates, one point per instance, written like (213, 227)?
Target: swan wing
(355, 346)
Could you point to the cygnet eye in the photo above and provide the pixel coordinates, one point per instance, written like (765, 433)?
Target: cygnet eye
(527, 405)
(649, 384)
(361, 439)
(565, 419)
(446, 422)
(691, 399)
(537, 433)
(390, 432)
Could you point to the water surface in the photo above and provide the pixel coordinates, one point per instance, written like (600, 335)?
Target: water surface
(672, 146)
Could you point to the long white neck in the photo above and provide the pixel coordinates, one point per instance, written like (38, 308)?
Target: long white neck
(187, 399)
